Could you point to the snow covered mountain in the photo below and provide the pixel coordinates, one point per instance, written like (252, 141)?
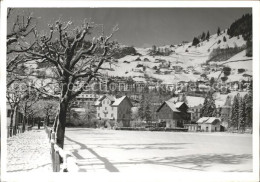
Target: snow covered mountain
(184, 62)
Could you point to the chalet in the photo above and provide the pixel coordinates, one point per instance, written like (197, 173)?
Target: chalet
(174, 114)
(209, 124)
(115, 109)
(146, 60)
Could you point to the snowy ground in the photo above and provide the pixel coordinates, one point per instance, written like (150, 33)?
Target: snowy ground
(29, 152)
(100, 150)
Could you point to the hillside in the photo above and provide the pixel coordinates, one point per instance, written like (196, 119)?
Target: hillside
(185, 63)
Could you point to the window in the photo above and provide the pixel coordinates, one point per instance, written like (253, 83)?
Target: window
(108, 102)
(104, 102)
(105, 108)
(105, 115)
(112, 115)
(98, 115)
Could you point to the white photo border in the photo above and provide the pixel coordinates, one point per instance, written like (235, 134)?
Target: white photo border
(160, 176)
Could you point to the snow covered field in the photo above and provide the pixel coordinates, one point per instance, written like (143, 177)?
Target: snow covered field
(100, 150)
(29, 152)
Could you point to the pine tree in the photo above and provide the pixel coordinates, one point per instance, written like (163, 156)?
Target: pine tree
(235, 112)
(218, 32)
(228, 101)
(148, 112)
(249, 105)
(208, 36)
(141, 108)
(203, 36)
(195, 41)
(242, 113)
(209, 107)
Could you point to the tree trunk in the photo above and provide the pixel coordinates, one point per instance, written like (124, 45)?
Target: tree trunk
(47, 120)
(23, 124)
(11, 118)
(61, 123)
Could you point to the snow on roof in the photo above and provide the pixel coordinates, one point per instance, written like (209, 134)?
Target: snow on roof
(97, 103)
(178, 104)
(110, 97)
(172, 106)
(202, 120)
(211, 120)
(118, 101)
(207, 120)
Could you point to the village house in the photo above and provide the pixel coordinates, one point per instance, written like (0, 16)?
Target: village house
(173, 114)
(85, 100)
(196, 113)
(115, 109)
(209, 124)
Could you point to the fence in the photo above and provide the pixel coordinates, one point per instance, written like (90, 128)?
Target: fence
(11, 131)
(62, 161)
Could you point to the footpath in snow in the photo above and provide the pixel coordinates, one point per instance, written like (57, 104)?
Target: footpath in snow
(29, 152)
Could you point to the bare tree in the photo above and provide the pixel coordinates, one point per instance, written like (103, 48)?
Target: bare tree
(72, 57)
(26, 105)
(46, 108)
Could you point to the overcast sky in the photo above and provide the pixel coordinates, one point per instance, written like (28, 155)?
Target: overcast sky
(142, 27)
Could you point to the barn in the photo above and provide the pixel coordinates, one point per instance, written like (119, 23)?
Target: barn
(173, 114)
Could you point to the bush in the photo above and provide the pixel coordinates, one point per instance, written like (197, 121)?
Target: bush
(139, 65)
(241, 70)
(155, 67)
(122, 52)
(219, 41)
(224, 39)
(224, 78)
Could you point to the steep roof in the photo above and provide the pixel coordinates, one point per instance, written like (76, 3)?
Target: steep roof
(119, 100)
(179, 104)
(115, 101)
(171, 105)
(99, 100)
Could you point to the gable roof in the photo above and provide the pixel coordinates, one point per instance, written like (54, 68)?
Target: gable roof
(119, 100)
(207, 120)
(115, 102)
(171, 106)
(99, 100)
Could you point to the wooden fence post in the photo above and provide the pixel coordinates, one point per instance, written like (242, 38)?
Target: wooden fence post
(53, 151)
(57, 161)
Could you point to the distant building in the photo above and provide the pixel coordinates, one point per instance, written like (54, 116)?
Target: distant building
(85, 100)
(209, 124)
(196, 112)
(174, 114)
(115, 109)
